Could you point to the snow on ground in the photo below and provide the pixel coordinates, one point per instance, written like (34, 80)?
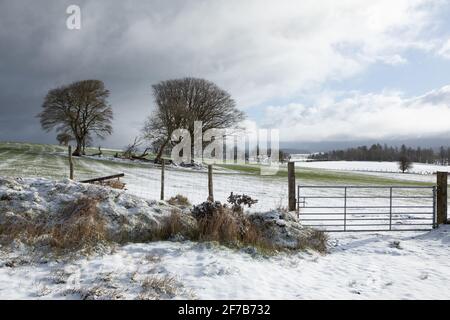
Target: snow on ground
(145, 180)
(358, 266)
(373, 166)
(406, 265)
(142, 179)
(401, 265)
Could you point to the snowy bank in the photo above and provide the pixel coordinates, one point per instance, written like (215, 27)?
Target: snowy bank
(68, 215)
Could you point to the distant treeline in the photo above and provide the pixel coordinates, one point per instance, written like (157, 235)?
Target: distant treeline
(377, 152)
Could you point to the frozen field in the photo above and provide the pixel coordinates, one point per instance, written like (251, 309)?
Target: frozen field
(373, 166)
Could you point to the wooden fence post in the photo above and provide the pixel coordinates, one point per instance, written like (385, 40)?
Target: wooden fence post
(291, 186)
(441, 198)
(163, 168)
(210, 183)
(70, 163)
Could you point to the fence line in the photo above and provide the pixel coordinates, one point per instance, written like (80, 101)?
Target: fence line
(144, 179)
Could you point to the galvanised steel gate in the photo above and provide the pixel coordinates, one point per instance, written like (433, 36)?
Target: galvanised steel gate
(367, 208)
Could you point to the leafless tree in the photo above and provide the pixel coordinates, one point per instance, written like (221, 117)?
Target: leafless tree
(181, 102)
(131, 151)
(404, 163)
(80, 108)
(64, 138)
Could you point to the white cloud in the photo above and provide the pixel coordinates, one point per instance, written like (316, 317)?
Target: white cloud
(444, 51)
(393, 60)
(369, 116)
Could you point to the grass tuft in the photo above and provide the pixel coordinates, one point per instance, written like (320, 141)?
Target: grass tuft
(179, 201)
(78, 226)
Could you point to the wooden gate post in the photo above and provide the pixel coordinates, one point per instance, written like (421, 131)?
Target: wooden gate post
(441, 198)
(291, 186)
(163, 168)
(70, 163)
(210, 183)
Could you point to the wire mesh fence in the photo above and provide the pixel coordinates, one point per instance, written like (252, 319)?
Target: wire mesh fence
(141, 178)
(144, 180)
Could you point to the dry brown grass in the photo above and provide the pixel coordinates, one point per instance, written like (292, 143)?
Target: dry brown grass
(223, 226)
(173, 225)
(78, 225)
(155, 288)
(219, 226)
(96, 292)
(232, 228)
(114, 184)
(316, 240)
(179, 201)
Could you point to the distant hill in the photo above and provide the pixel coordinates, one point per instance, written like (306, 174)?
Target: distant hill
(324, 146)
(295, 151)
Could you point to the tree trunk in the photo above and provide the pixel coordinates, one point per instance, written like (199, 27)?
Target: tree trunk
(77, 152)
(161, 150)
(83, 152)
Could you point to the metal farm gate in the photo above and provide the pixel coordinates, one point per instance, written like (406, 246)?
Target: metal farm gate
(367, 208)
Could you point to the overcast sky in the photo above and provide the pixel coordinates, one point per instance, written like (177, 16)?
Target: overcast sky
(318, 70)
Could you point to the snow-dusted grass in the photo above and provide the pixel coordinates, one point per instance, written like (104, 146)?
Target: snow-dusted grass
(358, 266)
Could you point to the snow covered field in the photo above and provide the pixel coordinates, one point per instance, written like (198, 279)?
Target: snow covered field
(142, 179)
(28, 160)
(358, 266)
(373, 166)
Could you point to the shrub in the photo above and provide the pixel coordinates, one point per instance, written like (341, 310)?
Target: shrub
(239, 200)
(217, 222)
(206, 209)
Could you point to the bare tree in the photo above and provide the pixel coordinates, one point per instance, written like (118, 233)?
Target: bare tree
(80, 108)
(130, 151)
(64, 138)
(181, 102)
(404, 163)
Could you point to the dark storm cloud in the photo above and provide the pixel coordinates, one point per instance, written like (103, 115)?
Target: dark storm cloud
(260, 51)
(38, 53)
